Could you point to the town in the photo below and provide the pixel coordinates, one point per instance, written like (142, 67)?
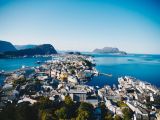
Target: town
(58, 88)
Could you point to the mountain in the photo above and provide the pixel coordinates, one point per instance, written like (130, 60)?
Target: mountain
(109, 50)
(21, 47)
(6, 46)
(44, 49)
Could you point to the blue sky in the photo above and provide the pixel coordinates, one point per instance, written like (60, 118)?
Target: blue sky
(130, 25)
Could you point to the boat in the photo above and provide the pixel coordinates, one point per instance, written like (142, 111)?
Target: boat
(38, 62)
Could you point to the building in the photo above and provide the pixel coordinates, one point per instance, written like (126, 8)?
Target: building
(72, 79)
(78, 95)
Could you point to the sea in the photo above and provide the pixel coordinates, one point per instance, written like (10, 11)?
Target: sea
(140, 66)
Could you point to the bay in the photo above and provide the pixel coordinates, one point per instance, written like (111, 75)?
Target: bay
(143, 67)
(16, 63)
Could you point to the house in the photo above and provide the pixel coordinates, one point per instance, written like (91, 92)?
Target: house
(158, 115)
(42, 76)
(102, 92)
(63, 76)
(94, 102)
(7, 86)
(27, 99)
(73, 79)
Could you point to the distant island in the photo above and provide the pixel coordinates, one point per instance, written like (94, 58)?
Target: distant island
(109, 50)
(7, 50)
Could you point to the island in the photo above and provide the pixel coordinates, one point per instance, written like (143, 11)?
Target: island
(109, 50)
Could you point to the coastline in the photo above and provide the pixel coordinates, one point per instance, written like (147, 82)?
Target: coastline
(116, 65)
(66, 76)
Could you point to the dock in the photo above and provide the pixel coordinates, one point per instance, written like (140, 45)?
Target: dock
(109, 75)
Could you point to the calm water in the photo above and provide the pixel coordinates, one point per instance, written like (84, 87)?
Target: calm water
(143, 67)
(146, 68)
(16, 63)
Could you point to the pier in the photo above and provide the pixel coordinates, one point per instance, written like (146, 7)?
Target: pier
(109, 75)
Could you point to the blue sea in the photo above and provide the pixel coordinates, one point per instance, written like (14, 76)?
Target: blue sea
(16, 63)
(143, 67)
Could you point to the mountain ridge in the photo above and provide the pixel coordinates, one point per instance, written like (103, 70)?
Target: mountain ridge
(6, 46)
(7, 50)
(22, 47)
(44, 49)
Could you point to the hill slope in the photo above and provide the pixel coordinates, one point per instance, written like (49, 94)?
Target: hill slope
(22, 47)
(44, 49)
(6, 46)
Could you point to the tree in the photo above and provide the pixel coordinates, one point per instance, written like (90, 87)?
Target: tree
(45, 115)
(61, 113)
(24, 111)
(8, 113)
(20, 81)
(117, 117)
(103, 110)
(45, 103)
(108, 117)
(122, 104)
(83, 115)
(72, 71)
(127, 114)
(88, 63)
(70, 106)
(68, 101)
(88, 108)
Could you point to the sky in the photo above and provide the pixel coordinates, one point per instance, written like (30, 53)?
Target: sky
(83, 25)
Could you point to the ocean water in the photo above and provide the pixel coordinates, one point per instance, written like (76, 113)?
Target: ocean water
(143, 67)
(16, 63)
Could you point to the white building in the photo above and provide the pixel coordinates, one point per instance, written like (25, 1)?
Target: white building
(72, 79)
(78, 95)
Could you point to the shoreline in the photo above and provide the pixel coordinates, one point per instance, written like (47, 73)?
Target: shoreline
(33, 64)
(65, 76)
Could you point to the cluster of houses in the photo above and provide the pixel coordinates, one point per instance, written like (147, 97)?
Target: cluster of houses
(66, 75)
(135, 95)
(54, 79)
(71, 68)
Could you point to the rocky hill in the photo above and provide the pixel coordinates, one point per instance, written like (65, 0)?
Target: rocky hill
(44, 49)
(109, 50)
